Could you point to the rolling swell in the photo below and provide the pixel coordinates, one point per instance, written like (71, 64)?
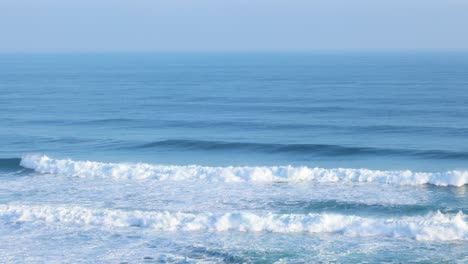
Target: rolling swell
(306, 149)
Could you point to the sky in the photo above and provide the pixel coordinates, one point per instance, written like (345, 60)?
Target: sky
(232, 25)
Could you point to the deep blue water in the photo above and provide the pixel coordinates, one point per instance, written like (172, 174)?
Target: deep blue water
(379, 111)
(395, 110)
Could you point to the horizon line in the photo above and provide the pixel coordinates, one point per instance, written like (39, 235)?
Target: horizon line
(216, 51)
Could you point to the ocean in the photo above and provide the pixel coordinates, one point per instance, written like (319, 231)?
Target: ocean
(343, 157)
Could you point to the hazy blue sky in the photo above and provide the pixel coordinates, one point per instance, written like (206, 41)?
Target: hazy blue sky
(204, 25)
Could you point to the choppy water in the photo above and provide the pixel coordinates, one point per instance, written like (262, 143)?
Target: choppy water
(247, 157)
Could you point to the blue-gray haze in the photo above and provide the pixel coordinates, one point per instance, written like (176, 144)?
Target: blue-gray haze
(242, 25)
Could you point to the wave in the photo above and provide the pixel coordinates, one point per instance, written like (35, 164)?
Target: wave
(346, 207)
(10, 163)
(142, 171)
(312, 149)
(435, 226)
(226, 124)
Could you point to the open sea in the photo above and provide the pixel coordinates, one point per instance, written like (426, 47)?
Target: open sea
(342, 157)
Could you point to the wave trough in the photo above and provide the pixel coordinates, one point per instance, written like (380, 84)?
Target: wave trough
(143, 171)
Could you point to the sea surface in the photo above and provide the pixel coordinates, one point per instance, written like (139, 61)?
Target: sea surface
(343, 157)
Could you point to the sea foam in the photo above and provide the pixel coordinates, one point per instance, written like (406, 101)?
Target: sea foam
(436, 226)
(142, 171)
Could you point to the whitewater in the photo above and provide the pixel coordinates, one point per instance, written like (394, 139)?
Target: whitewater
(142, 171)
(432, 227)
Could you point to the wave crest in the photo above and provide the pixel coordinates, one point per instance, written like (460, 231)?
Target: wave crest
(141, 171)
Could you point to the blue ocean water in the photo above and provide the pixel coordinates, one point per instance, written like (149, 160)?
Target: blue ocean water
(234, 157)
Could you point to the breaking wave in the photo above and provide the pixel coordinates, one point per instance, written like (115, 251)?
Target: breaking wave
(142, 171)
(435, 226)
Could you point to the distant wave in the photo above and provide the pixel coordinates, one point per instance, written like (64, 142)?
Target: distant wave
(290, 149)
(311, 149)
(142, 171)
(227, 124)
(435, 226)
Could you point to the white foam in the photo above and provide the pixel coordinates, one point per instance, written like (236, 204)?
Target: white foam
(44, 164)
(436, 226)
